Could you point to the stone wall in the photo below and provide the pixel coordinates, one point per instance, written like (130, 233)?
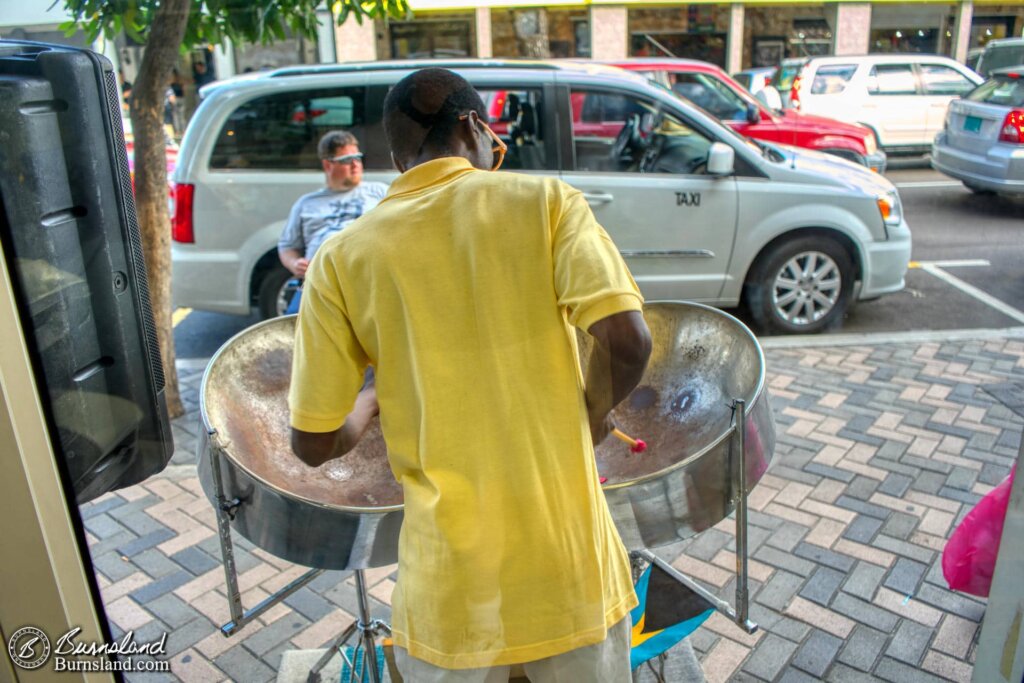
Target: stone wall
(555, 39)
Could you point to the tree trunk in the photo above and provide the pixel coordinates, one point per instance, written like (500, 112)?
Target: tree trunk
(151, 197)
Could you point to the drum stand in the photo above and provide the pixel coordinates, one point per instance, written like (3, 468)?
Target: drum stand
(365, 628)
(365, 631)
(740, 615)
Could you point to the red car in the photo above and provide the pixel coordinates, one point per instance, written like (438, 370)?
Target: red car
(711, 88)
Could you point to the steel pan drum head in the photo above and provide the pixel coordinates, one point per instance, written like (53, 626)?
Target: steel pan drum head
(701, 360)
(245, 400)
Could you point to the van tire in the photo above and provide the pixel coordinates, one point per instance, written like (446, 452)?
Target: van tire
(270, 288)
(828, 294)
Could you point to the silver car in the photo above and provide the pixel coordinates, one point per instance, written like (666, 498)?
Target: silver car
(698, 211)
(982, 143)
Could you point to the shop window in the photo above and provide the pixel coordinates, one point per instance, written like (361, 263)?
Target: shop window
(811, 37)
(832, 79)
(281, 131)
(905, 40)
(941, 80)
(708, 47)
(892, 79)
(427, 39)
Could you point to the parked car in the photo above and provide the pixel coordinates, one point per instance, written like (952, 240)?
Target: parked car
(1000, 54)
(755, 79)
(785, 83)
(902, 98)
(982, 143)
(710, 88)
(698, 211)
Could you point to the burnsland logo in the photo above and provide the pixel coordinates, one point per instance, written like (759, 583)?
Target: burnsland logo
(29, 649)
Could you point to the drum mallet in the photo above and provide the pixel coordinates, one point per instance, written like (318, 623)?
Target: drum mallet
(635, 445)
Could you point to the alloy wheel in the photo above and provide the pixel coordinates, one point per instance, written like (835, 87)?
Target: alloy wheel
(806, 288)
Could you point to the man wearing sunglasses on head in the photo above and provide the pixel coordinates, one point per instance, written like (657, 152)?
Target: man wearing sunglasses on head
(464, 289)
(318, 215)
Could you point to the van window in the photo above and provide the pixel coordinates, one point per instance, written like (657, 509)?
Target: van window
(658, 142)
(832, 78)
(892, 79)
(280, 131)
(517, 117)
(942, 80)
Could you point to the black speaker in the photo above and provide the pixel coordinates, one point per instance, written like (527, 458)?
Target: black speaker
(71, 241)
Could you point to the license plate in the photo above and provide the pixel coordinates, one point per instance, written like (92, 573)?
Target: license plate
(972, 124)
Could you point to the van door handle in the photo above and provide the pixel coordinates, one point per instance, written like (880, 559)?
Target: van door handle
(598, 197)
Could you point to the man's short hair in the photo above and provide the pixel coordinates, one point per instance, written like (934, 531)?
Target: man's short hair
(334, 140)
(423, 109)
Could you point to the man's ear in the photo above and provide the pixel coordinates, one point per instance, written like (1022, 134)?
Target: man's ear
(325, 165)
(470, 130)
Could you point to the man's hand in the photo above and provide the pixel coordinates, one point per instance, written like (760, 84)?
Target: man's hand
(622, 345)
(316, 448)
(294, 261)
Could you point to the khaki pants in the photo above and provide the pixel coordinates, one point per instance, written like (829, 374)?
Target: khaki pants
(604, 662)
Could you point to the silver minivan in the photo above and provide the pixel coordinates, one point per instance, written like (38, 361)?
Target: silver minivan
(699, 212)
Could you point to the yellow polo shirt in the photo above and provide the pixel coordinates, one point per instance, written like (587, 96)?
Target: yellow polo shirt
(462, 288)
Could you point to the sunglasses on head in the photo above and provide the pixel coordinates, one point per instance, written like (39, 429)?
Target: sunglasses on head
(346, 159)
(499, 148)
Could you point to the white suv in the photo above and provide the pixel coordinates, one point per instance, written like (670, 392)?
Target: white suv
(902, 97)
(698, 211)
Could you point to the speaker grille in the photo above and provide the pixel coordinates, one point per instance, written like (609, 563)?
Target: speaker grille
(134, 234)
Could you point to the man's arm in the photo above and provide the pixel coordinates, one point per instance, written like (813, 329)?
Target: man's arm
(293, 260)
(622, 345)
(316, 448)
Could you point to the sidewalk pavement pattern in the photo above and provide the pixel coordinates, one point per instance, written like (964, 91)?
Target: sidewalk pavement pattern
(881, 451)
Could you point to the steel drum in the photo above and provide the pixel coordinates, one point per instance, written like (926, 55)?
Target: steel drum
(348, 513)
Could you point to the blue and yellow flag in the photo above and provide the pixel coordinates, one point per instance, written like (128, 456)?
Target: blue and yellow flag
(668, 612)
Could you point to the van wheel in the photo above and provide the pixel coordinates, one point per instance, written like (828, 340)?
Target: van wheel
(803, 285)
(275, 292)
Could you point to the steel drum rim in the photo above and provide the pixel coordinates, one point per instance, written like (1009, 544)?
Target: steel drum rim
(758, 391)
(216, 442)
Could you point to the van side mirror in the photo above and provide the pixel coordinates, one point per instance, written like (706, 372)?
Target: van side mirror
(753, 113)
(721, 159)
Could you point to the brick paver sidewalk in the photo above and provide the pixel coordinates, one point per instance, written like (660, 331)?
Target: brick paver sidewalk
(881, 451)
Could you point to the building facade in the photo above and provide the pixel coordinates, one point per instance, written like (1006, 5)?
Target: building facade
(732, 35)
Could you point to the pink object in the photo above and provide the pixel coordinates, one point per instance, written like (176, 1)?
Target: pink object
(969, 558)
(603, 479)
(640, 446)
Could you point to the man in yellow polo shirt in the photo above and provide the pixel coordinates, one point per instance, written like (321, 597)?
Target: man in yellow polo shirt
(463, 288)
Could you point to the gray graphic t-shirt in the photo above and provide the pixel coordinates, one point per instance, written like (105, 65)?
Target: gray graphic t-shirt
(318, 215)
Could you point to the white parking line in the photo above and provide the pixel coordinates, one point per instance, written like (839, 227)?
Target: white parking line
(928, 183)
(963, 263)
(971, 290)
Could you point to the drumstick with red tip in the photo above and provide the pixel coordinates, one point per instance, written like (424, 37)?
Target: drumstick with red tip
(635, 445)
